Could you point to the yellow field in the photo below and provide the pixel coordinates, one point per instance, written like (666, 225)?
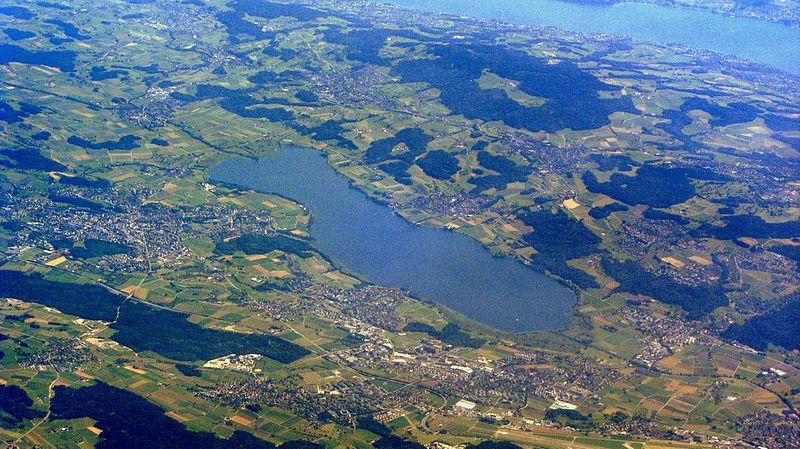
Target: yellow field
(56, 262)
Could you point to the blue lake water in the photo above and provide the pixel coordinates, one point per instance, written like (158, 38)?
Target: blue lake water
(369, 239)
(757, 40)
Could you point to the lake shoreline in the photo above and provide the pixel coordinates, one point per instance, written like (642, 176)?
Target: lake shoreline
(537, 294)
(771, 45)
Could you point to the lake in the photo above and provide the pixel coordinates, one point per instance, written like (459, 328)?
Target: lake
(761, 41)
(372, 241)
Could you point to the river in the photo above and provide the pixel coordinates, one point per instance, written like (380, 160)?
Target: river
(761, 41)
(369, 239)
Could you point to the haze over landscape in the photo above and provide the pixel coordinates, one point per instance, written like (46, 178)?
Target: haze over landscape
(443, 224)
